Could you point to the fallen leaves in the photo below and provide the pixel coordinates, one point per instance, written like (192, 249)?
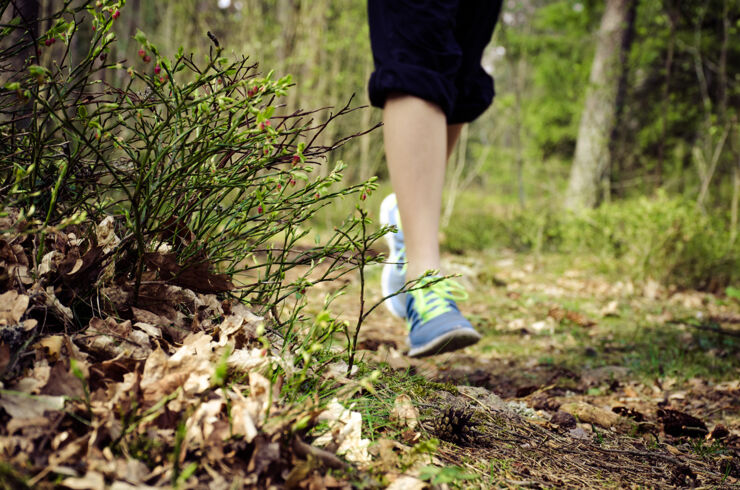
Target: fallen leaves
(21, 405)
(591, 414)
(405, 412)
(345, 432)
(140, 393)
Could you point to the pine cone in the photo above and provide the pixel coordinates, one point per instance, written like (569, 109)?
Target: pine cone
(455, 425)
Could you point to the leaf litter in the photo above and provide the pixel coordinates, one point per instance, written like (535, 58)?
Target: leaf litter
(177, 390)
(140, 398)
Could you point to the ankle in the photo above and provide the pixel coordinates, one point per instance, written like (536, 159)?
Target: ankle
(417, 272)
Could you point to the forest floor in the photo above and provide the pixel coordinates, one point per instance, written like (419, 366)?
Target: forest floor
(581, 380)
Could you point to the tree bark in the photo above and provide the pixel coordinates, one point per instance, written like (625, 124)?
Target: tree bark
(592, 158)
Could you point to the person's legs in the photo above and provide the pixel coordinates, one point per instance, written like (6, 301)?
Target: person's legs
(415, 135)
(453, 134)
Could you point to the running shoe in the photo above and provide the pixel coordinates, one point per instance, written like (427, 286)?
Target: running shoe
(435, 323)
(394, 271)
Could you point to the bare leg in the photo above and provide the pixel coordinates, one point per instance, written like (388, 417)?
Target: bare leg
(417, 144)
(453, 133)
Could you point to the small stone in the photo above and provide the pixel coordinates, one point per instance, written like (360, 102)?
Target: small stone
(564, 420)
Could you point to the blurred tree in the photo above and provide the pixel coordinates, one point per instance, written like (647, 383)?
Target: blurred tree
(591, 161)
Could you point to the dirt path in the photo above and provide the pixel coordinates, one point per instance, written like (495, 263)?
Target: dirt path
(579, 381)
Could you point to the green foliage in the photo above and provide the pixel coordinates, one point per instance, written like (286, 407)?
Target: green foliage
(446, 475)
(667, 239)
(555, 43)
(197, 163)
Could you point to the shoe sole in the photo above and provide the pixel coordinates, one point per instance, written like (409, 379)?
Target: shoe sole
(453, 340)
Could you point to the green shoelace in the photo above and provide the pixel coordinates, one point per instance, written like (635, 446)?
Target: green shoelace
(432, 301)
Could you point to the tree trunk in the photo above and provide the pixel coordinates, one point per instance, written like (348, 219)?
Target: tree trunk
(591, 162)
(28, 11)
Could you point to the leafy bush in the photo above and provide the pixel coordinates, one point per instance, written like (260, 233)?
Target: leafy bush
(667, 239)
(479, 228)
(207, 180)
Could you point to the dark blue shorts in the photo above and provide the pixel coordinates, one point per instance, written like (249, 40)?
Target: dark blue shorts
(432, 49)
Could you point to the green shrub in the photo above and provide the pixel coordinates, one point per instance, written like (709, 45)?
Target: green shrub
(476, 228)
(208, 181)
(667, 239)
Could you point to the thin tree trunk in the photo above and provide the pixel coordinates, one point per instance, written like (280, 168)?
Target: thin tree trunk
(735, 199)
(592, 157)
(28, 11)
(666, 95)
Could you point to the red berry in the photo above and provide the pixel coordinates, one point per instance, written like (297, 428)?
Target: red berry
(292, 181)
(259, 209)
(317, 195)
(363, 196)
(116, 14)
(157, 69)
(220, 81)
(48, 42)
(261, 126)
(267, 123)
(95, 28)
(142, 53)
(147, 59)
(279, 186)
(162, 79)
(296, 159)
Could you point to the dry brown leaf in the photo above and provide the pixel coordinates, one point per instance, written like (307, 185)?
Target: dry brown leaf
(22, 405)
(406, 482)
(52, 346)
(111, 339)
(611, 309)
(91, 481)
(149, 329)
(405, 412)
(345, 430)
(63, 382)
(12, 307)
(243, 414)
(590, 414)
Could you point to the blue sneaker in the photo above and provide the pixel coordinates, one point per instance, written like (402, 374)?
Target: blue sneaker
(394, 270)
(435, 323)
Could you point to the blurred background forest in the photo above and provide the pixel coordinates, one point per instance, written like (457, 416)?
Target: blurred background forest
(644, 144)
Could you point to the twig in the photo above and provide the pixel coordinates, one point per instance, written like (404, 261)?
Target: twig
(707, 328)
(328, 459)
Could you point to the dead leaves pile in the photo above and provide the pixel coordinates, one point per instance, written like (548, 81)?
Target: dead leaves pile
(171, 392)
